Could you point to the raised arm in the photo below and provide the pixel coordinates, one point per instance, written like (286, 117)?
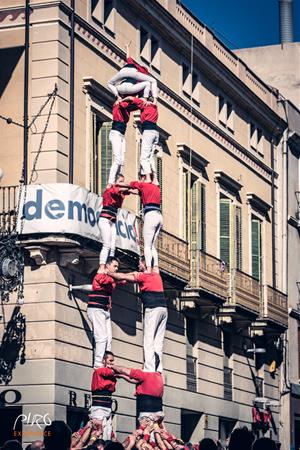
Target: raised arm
(126, 377)
(121, 370)
(123, 276)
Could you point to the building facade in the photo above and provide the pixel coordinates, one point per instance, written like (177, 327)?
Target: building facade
(221, 249)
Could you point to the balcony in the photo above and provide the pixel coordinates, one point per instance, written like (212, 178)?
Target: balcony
(173, 252)
(245, 291)
(209, 274)
(275, 306)
(8, 205)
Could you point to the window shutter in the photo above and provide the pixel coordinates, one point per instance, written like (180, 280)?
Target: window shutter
(185, 204)
(238, 237)
(256, 248)
(106, 154)
(225, 230)
(203, 218)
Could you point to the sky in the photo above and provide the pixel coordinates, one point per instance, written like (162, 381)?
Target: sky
(243, 23)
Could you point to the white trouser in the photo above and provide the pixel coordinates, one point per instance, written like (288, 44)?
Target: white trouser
(152, 225)
(102, 333)
(108, 236)
(117, 140)
(146, 83)
(150, 139)
(155, 322)
(104, 414)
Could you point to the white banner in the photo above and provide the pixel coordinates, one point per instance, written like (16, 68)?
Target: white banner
(68, 209)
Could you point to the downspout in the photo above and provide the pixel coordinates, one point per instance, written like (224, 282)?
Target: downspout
(274, 280)
(71, 112)
(26, 85)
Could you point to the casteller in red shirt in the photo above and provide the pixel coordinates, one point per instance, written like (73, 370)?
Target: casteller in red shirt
(103, 385)
(149, 113)
(149, 391)
(150, 383)
(152, 290)
(112, 200)
(140, 68)
(103, 286)
(149, 192)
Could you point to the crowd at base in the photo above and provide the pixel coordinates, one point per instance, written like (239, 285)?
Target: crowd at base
(150, 435)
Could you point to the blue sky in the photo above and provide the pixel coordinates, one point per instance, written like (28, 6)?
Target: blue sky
(243, 23)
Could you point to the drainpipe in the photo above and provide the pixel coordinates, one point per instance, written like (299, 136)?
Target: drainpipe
(274, 279)
(26, 85)
(71, 113)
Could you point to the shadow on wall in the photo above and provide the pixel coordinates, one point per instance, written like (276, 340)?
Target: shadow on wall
(12, 348)
(11, 56)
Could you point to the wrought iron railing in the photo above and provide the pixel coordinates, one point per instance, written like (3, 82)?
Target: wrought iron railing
(191, 373)
(276, 305)
(245, 291)
(209, 274)
(174, 255)
(8, 206)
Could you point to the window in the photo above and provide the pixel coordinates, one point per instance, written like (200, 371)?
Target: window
(227, 364)
(194, 211)
(149, 48)
(225, 428)
(190, 83)
(230, 233)
(225, 230)
(238, 238)
(77, 417)
(256, 139)
(256, 248)
(100, 154)
(226, 113)
(191, 354)
(191, 425)
(103, 12)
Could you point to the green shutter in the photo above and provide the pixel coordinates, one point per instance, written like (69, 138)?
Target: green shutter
(203, 218)
(185, 207)
(256, 248)
(225, 230)
(194, 217)
(238, 237)
(106, 154)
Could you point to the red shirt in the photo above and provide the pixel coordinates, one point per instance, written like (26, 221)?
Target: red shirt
(141, 69)
(149, 113)
(149, 282)
(150, 383)
(149, 192)
(104, 284)
(120, 112)
(104, 378)
(113, 197)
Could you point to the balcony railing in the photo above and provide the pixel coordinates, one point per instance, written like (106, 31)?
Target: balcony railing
(245, 291)
(209, 274)
(191, 373)
(173, 253)
(276, 306)
(8, 206)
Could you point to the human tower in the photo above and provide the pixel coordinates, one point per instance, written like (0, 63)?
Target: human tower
(134, 89)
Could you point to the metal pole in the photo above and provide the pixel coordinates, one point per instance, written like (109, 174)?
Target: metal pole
(26, 84)
(71, 123)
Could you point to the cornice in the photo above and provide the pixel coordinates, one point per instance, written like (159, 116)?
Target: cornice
(228, 182)
(258, 203)
(191, 157)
